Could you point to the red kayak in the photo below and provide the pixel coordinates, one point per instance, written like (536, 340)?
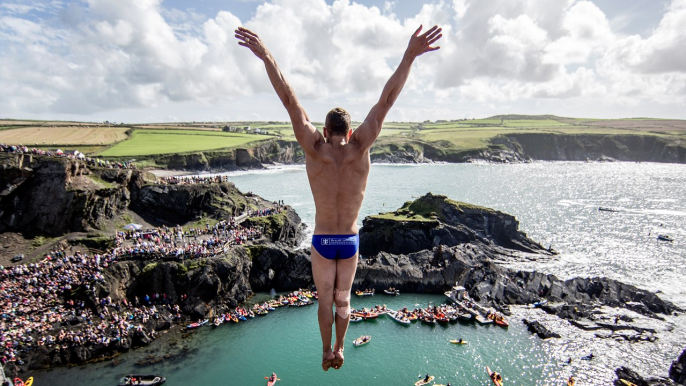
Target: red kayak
(272, 380)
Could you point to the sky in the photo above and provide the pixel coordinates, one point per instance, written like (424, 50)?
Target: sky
(136, 61)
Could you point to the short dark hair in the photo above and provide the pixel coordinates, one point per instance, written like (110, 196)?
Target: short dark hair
(337, 122)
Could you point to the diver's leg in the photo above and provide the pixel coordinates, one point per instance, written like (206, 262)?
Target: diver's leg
(345, 274)
(324, 275)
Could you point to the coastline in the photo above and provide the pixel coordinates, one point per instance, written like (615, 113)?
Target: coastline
(300, 167)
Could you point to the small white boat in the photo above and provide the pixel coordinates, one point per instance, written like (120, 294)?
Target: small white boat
(398, 317)
(665, 238)
(364, 339)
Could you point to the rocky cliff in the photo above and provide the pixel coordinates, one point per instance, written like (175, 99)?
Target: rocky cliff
(266, 152)
(54, 196)
(41, 196)
(583, 147)
(434, 220)
(432, 243)
(526, 147)
(211, 285)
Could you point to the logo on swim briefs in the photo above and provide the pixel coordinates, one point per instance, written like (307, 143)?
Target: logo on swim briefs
(336, 241)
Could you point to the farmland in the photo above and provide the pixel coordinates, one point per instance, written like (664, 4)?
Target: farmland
(457, 136)
(150, 142)
(61, 135)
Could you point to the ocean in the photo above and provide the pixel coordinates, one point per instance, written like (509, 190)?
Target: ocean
(556, 204)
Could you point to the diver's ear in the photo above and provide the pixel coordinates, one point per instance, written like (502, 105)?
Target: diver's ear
(350, 133)
(326, 134)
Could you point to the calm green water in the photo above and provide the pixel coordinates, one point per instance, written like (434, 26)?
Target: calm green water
(287, 342)
(556, 204)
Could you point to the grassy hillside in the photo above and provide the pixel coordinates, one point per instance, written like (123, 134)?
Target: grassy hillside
(148, 142)
(457, 136)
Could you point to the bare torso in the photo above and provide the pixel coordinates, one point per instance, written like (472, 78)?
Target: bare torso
(338, 174)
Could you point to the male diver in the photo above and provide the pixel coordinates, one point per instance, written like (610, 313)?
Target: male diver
(337, 164)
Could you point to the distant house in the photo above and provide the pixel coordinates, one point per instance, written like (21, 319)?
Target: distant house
(246, 129)
(230, 129)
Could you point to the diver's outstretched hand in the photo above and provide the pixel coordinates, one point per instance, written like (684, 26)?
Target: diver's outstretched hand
(247, 38)
(420, 44)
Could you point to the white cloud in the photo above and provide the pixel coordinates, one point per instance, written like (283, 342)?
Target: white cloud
(137, 54)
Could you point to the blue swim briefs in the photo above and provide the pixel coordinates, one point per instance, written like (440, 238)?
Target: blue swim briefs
(336, 246)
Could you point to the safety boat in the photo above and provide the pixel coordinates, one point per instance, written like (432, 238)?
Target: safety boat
(364, 339)
(142, 379)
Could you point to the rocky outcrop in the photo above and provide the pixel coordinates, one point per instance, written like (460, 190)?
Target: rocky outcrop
(535, 327)
(178, 204)
(283, 228)
(434, 220)
(279, 268)
(432, 243)
(54, 196)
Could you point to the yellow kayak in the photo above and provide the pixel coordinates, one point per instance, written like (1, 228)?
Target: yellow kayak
(29, 382)
(455, 341)
(627, 383)
(571, 381)
(423, 382)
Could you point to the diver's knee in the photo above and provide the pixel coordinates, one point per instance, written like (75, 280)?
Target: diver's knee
(342, 300)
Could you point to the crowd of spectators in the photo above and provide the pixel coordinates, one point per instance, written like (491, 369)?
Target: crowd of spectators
(74, 155)
(192, 180)
(37, 298)
(177, 244)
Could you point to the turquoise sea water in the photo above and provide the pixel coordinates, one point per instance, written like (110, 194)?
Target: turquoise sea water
(556, 204)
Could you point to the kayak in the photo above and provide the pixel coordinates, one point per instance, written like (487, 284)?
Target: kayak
(364, 339)
(422, 382)
(29, 382)
(455, 341)
(196, 325)
(495, 382)
(627, 383)
(571, 381)
(272, 380)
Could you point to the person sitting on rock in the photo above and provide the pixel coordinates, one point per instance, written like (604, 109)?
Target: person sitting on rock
(337, 164)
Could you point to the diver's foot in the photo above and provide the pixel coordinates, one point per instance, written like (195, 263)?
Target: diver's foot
(338, 359)
(327, 360)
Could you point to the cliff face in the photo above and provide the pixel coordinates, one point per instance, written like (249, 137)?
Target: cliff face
(526, 147)
(42, 196)
(284, 228)
(178, 204)
(54, 196)
(582, 147)
(266, 152)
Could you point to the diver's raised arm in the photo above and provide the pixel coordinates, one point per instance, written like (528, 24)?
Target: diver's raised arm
(305, 133)
(370, 129)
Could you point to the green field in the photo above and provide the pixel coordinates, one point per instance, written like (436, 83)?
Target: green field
(147, 142)
(456, 136)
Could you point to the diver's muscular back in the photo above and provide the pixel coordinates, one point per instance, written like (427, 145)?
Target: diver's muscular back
(338, 178)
